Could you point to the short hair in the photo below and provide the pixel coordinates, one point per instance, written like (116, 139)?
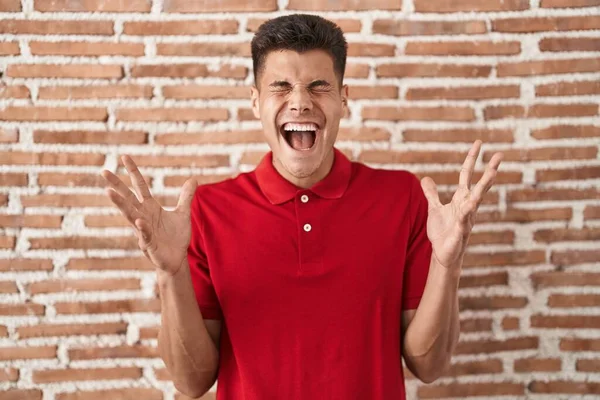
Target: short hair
(300, 33)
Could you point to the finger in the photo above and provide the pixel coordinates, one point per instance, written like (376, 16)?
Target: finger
(138, 181)
(187, 195)
(431, 192)
(121, 188)
(466, 173)
(145, 241)
(488, 178)
(126, 208)
(467, 210)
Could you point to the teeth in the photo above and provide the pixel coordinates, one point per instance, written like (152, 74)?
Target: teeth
(300, 127)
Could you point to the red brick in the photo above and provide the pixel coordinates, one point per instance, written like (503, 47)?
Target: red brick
(557, 279)
(109, 264)
(505, 258)
(117, 394)
(9, 135)
(492, 366)
(451, 178)
(425, 28)
(25, 158)
(569, 44)
(563, 386)
(90, 137)
(578, 88)
(461, 390)
(357, 71)
(227, 49)
(574, 257)
(72, 48)
(178, 181)
(464, 93)
(14, 92)
(66, 200)
(441, 113)
(540, 111)
(27, 353)
(13, 179)
(540, 24)
(572, 174)
(568, 3)
(371, 50)
(492, 237)
(182, 27)
(3, 200)
(93, 6)
(83, 285)
(9, 375)
(7, 242)
(476, 325)
(525, 215)
(548, 67)
(405, 70)
(591, 212)
(373, 92)
(31, 221)
(537, 365)
(492, 279)
(463, 48)
(85, 374)
(573, 300)
(21, 394)
(10, 48)
(70, 329)
(90, 353)
(565, 321)
(188, 71)
(172, 114)
(347, 25)
(8, 287)
(546, 153)
(458, 135)
(344, 5)
(504, 111)
(82, 242)
(449, 6)
(41, 113)
(486, 346)
(492, 303)
(561, 235)
(511, 323)
(77, 180)
(190, 91)
(566, 131)
(411, 157)
(84, 71)
(576, 344)
(109, 307)
(186, 6)
(200, 161)
(10, 5)
(22, 264)
(592, 365)
(95, 92)
(58, 27)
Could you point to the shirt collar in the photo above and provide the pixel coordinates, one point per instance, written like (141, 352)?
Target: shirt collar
(278, 190)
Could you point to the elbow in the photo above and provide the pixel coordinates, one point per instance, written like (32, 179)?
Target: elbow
(429, 370)
(193, 392)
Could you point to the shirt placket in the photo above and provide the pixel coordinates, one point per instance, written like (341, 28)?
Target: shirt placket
(309, 233)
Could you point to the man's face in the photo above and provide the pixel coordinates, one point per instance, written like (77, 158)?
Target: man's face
(300, 103)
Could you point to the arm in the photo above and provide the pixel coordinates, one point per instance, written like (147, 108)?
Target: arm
(187, 343)
(430, 333)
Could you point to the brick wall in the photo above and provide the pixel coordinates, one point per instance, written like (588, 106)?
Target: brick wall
(84, 81)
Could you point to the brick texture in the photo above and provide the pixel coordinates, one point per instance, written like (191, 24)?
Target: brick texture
(84, 81)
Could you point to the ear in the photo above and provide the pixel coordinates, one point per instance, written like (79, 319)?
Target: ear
(344, 94)
(255, 103)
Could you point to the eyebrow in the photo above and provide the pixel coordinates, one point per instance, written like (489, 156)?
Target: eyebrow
(313, 84)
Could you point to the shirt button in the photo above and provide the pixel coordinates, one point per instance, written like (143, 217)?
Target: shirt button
(307, 228)
(304, 198)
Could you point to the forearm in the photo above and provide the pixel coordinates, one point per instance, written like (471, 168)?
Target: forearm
(433, 332)
(184, 342)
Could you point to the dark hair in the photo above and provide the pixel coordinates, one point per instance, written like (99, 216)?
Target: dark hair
(300, 33)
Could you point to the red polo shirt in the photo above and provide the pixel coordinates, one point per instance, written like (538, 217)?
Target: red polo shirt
(310, 283)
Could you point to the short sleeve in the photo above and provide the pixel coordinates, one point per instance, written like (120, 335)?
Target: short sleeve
(418, 252)
(199, 268)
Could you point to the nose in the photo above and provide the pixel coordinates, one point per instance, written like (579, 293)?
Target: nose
(299, 100)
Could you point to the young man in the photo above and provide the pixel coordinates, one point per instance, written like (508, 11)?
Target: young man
(311, 276)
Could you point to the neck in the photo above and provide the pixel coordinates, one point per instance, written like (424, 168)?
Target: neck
(308, 181)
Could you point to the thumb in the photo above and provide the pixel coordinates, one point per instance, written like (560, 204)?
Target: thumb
(187, 195)
(430, 191)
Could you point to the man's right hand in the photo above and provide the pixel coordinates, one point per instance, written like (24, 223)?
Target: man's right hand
(163, 236)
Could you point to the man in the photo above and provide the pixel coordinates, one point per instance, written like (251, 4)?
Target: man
(311, 276)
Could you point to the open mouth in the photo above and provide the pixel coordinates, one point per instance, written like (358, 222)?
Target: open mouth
(300, 136)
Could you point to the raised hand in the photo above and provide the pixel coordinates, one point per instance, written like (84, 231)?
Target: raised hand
(449, 226)
(163, 235)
